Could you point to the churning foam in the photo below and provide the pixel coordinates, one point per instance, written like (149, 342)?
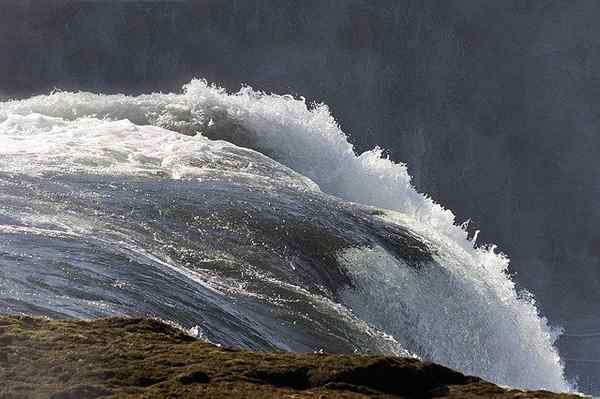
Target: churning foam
(465, 313)
(35, 144)
(461, 321)
(305, 139)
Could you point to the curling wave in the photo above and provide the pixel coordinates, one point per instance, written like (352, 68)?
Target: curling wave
(249, 218)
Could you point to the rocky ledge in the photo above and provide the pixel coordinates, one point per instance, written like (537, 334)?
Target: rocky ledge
(141, 358)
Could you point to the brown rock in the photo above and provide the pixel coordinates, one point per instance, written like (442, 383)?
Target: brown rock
(81, 392)
(129, 358)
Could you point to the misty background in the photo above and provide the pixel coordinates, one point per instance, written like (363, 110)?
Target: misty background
(492, 104)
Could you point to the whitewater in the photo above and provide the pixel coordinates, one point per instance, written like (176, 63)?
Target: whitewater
(248, 219)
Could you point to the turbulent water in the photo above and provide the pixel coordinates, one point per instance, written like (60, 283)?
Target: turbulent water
(248, 219)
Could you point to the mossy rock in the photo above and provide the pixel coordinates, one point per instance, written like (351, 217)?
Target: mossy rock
(131, 358)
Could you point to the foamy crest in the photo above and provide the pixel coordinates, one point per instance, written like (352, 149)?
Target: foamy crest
(472, 325)
(306, 139)
(37, 144)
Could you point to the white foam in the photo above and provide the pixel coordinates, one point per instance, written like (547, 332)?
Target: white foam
(478, 326)
(37, 144)
(306, 139)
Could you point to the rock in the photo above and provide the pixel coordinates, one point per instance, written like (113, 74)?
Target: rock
(145, 358)
(290, 377)
(195, 377)
(82, 392)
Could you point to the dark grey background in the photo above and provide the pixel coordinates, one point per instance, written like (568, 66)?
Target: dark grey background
(494, 105)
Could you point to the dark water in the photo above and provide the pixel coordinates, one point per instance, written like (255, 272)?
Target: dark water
(222, 241)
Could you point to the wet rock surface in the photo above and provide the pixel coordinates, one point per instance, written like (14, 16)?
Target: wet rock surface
(130, 358)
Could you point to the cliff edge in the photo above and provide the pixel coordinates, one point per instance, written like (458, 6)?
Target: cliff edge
(142, 358)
